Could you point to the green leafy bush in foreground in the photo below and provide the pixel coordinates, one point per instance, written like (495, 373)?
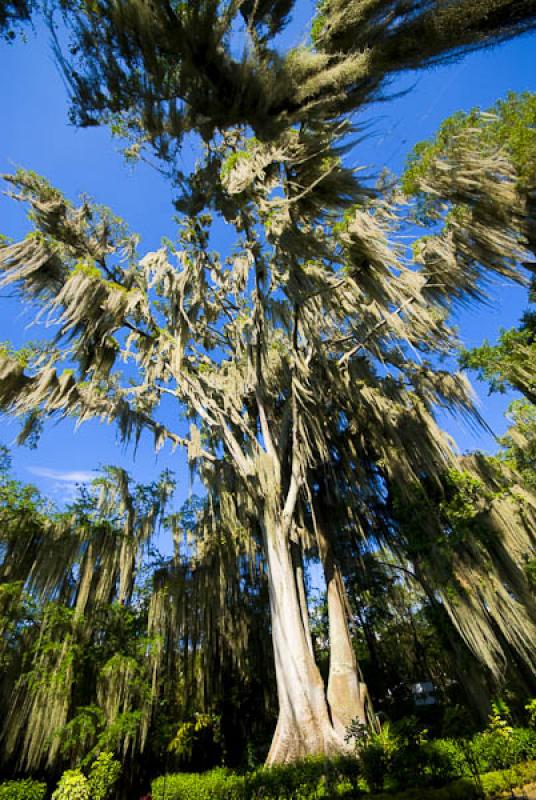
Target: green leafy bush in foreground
(397, 757)
(490, 786)
(98, 785)
(73, 785)
(220, 784)
(401, 755)
(305, 780)
(494, 752)
(103, 775)
(25, 789)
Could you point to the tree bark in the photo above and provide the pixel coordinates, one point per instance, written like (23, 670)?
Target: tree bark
(297, 561)
(304, 726)
(347, 694)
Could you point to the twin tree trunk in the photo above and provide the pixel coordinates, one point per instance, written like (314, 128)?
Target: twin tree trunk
(309, 722)
(347, 694)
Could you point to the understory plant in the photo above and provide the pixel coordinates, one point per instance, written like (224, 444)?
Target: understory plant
(24, 789)
(97, 785)
(401, 755)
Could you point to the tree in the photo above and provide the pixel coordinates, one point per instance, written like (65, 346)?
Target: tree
(308, 328)
(506, 131)
(109, 646)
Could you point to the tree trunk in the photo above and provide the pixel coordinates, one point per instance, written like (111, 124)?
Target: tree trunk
(297, 562)
(347, 695)
(304, 726)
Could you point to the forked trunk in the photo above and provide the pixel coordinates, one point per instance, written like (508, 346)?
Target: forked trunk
(347, 694)
(304, 726)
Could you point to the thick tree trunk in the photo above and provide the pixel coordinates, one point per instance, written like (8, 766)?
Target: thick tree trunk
(304, 725)
(347, 694)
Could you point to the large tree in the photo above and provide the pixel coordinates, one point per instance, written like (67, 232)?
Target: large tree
(314, 325)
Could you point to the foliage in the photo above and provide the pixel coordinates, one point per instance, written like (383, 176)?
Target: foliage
(519, 442)
(218, 784)
(489, 785)
(505, 364)
(498, 750)
(73, 785)
(376, 755)
(103, 775)
(24, 789)
(97, 785)
(305, 780)
(404, 755)
(530, 708)
(189, 732)
(13, 13)
(80, 675)
(509, 124)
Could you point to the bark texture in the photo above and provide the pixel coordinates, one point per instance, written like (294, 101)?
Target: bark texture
(304, 726)
(347, 694)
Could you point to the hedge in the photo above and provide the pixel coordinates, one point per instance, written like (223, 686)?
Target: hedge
(317, 778)
(25, 789)
(305, 780)
(218, 784)
(492, 784)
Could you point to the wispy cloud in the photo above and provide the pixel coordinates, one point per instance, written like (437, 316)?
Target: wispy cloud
(63, 476)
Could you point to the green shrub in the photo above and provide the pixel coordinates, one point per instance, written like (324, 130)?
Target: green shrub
(495, 783)
(25, 789)
(377, 753)
(305, 780)
(492, 785)
(493, 751)
(310, 779)
(218, 784)
(462, 789)
(73, 785)
(419, 762)
(530, 708)
(103, 774)
(401, 756)
(318, 778)
(444, 759)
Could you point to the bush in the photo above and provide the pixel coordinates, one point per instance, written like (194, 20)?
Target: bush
(401, 756)
(377, 753)
(73, 785)
(495, 783)
(218, 784)
(103, 774)
(494, 751)
(23, 790)
(530, 708)
(418, 762)
(305, 780)
(444, 759)
(492, 785)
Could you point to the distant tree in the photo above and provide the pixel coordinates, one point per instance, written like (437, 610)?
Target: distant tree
(107, 645)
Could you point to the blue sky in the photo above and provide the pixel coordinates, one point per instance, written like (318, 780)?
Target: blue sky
(35, 134)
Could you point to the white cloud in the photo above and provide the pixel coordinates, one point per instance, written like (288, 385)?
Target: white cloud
(63, 476)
